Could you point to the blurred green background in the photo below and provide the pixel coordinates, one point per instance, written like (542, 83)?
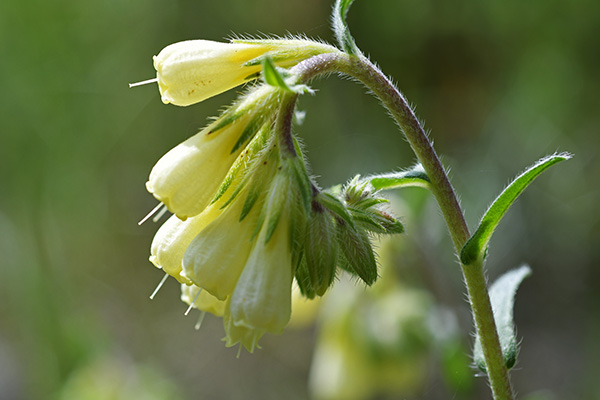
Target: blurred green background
(498, 83)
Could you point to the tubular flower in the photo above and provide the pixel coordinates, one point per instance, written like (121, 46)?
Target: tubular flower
(172, 239)
(188, 176)
(216, 256)
(191, 71)
(247, 217)
(202, 300)
(261, 300)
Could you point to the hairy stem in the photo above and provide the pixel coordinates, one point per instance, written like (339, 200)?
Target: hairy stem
(363, 70)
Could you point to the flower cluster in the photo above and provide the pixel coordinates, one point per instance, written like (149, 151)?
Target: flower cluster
(247, 217)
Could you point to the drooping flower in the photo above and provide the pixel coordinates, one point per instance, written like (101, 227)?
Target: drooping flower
(248, 218)
(188, 176)
(202, 300)
(191, 71)
(173, 238)
(261, 300)
(216, 257)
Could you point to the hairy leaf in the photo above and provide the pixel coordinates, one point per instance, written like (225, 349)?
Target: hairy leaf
(502, 296)
(415, 176)
(476, 247)
(340, 27)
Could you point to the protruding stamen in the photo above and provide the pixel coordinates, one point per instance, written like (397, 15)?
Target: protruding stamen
(147, 81)
(192, 303)
(200, 319)
(160, 284)
(160, 214)
(151, 213)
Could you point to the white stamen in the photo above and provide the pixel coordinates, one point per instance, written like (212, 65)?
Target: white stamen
(192, 303)
(160, 214)
(160, 284)
(147, 81)
(151, 213)
(200, 319)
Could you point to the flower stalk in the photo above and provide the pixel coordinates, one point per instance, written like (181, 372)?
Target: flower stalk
(361, 69)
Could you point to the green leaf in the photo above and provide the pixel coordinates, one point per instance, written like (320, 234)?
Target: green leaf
(502, 296)
(340, 27)
(415, 176)
(476, 247)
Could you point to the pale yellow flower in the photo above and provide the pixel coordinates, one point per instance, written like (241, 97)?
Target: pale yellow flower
(202, 300)
(172, 239)
(215, 258)
(187, 178)
(194, 70)
(191, 71)
(261, 300)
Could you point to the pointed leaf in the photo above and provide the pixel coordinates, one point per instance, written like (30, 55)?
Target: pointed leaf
(476, 247)
(340, 27)
(415, 176)
(502, 296)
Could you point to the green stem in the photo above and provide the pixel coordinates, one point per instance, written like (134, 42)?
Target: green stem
(363, 70)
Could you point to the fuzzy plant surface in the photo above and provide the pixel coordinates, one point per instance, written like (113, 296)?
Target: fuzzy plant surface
(248, 219)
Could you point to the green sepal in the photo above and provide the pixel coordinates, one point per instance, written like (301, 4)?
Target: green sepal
(366, 221)
(301, 180)
(278, 77)
(244, 159)
(320, 249)
(334, 205)
(413, 177)
(278, 200)
(476, 247)
(303, 278)
(356, 255)
(340, 27)
(272, 75)
(502, 297)
(256, 176)
(227, 118)
(249, 131)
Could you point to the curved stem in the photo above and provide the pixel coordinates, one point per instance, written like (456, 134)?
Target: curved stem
(363, 70)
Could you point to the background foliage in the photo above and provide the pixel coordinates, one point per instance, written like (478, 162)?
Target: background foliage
(498, 83)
